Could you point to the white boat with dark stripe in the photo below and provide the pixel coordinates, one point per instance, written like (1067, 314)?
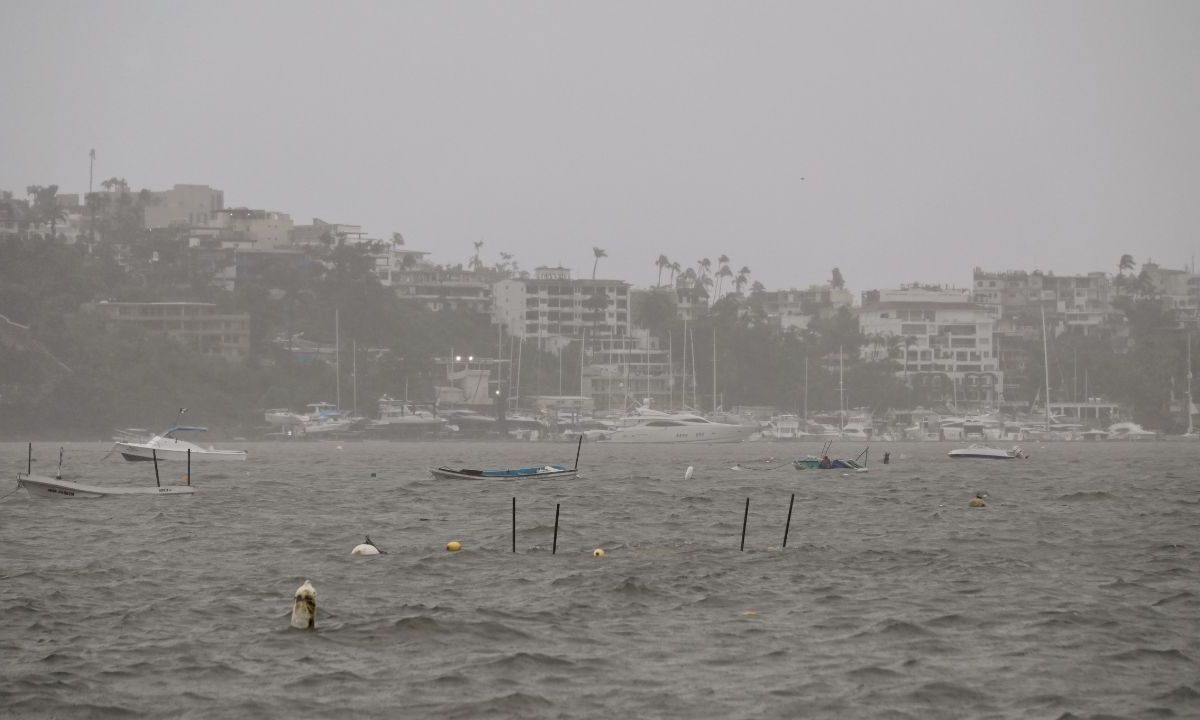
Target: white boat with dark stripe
(987, 452)
(53, 488)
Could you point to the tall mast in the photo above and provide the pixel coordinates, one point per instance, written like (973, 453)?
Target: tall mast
(805, 387)
(714, 368)
(354, 374)
(1046, 363)
(337, 358)
(841, 395)
(695, 400)
(1191, 428)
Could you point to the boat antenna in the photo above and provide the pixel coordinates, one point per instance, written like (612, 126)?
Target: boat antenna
(578, 450)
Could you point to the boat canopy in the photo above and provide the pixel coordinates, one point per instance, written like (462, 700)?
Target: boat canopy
(185, 428)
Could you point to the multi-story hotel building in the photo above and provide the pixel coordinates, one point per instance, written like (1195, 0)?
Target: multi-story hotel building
(550, 306)
(199, 325)
(942, 339)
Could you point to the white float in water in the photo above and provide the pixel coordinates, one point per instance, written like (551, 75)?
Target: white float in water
(687, 474)
(304, 609)
(367, 548)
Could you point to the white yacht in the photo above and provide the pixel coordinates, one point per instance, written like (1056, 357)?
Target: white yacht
(168, 447)
(679, 428)
(325, 419)
(987, 452)
(856, 431)
(398, 418)
(783, 427)
(284, 417)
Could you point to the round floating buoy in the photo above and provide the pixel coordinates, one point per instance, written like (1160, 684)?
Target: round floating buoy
(339, 447)
(687, 474)
(304, 607)
(372, 474)
(367, 548)
(598, 552)
(454, 546)
(977, 502)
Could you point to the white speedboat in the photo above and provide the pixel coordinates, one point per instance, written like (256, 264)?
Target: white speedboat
(783, 427)
(168, 447)
(679, 428)
(1130, 431)
(987, 452)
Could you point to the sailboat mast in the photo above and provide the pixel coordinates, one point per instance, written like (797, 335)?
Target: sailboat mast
(714, 368)
(337, 358)
(354, 373)
(1046, 363)
(841, 395)
(695, 397)
(1191, 428)
(805, 388)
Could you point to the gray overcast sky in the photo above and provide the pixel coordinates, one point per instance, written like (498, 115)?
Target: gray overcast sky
(900, 141)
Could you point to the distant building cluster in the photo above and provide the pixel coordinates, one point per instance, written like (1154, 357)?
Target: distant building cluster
(950, 345)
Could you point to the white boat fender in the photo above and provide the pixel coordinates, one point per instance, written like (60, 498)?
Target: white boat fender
(304, 608)
(366, 547)
(687, 474)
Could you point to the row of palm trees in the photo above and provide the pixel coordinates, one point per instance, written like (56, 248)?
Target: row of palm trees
(703, 275)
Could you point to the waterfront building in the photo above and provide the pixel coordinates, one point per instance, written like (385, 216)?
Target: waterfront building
(622, 370)
(243, 228)
(550, 306)
(201, 326)
(942, 340)
(1178, 290)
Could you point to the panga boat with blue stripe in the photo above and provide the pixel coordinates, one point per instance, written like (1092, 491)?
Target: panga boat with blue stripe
(540, 472)
(47, 487)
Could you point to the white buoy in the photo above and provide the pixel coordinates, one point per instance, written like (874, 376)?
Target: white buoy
(687, 474)
(304, 609)
(367, 548)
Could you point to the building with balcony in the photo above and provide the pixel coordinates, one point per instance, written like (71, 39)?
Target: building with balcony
(183, 205)
(243, 228)
(623, 370)
(942, 340)
(200, 326)
(550, 306)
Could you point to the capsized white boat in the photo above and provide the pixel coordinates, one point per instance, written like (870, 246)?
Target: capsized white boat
(169, 447)
(987, 452)
(39, 486)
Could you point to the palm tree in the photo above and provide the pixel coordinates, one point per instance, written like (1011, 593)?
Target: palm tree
(743, 277)
(1125, 264)
(45, 207)
(836, 281)
(476, 263)
(674, 267)
(723, 273)
(704, 265)
(599, 253)
(662, 262)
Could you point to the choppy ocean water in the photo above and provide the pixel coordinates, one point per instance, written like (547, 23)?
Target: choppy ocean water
(1075, 593)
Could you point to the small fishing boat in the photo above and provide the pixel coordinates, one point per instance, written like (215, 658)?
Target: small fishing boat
(169, 447)
(48, 487)
(40, 486)
(534, 472)
(987, 452)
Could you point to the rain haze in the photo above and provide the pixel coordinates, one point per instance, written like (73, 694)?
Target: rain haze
(599, 359)
(897, 141)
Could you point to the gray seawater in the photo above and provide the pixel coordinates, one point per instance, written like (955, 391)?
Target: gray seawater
(1075, 593)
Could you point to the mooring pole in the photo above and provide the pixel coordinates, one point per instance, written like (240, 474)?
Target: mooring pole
(29, 461)
(154, 454)
(189, 471)
(788, 525)
(578, 449)
(745, 517)
(514, 549)
(554, 547)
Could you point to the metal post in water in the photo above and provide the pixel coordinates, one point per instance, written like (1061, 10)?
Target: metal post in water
(745, 517)
(554, 547)
(60, 456)
(788, 525)
(514, 544)
(29, 461)
(189, 470)
(154, 454)
(578, 449)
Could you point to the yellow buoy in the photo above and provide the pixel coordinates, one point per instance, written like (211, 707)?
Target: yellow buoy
(598, 552)
(977, 502)
(454, 546)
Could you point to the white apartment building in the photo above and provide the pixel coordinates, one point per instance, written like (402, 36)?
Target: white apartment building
(243, 228)
(552, 306)
(942, 339)
(793, 309)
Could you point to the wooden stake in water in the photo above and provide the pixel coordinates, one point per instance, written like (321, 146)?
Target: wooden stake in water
(29, 461)
(578, 450)
(514, 524)
(154, 454)
(189, 470)
(745, 517)
(788, 525)
(554, 547)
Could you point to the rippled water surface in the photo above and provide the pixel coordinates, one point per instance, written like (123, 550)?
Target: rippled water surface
(1074, 593)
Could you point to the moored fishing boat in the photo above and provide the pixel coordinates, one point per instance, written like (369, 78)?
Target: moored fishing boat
(48, 487)
(533, 472)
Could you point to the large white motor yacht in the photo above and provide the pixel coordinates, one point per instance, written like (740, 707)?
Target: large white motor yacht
(679, 428)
